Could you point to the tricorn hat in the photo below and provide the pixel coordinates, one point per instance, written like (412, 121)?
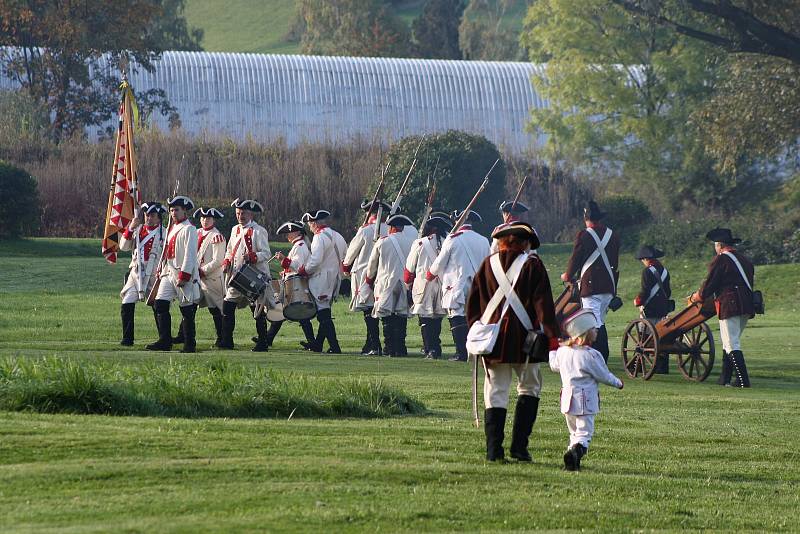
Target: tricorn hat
(247, 204)
(291, 226)
(210, 212)
(649, 252)
(443, 224)
(369, 205)
(509, 206)
(181, 201)
(472, 216)
(722, 235)
(579, 322)
(518, 228)
(592, 211)
(153, 207)
(399, 221)
(441, 213)
(315, 215)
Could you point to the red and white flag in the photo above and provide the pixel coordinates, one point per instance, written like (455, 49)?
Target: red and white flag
(124, 198)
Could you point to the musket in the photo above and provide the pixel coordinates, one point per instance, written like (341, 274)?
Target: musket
(519, 192)
(465, 213)
(151, 298)
(431, 196)
(406, 181)
(376, 232)
(377, 194)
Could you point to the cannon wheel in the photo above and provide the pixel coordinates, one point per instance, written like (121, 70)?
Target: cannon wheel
(697, 362)
(639, 349)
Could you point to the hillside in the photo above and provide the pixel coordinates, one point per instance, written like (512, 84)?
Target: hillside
(263, 26)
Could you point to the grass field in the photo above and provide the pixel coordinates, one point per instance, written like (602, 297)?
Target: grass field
(668, 454)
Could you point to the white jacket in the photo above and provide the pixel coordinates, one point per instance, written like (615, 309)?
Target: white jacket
(426, 295)
(148, 239)
(247, 238)
(296, 258)
(210, 255)
(181, 260)
(386, 265)
(356, 259)
(461, 255)
(581, 368)
(324, 265)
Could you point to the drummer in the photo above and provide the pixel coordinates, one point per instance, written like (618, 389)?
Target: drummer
(295, 233)
(248, 245)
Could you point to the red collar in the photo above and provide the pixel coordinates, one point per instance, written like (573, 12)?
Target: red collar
(727, 249)
(595, 225)
(320, 229)
(295, 240)
(465, 227)
(151, 228)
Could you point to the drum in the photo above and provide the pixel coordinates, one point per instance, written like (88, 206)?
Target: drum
(298, 303)
(249, 281)
(568, 302)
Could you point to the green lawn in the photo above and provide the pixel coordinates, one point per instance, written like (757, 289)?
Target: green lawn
(668, 454)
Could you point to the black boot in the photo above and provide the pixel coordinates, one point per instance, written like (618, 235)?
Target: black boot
(434, 337)
(188, 328)
(369, 342)
(741, 378)
(373, 335)
(494, 426)
(164, 321)
(388, 336)
(216, 314)
(401, 331)
(572, 458)
(274, 328)
(423, 330)
(127, 314)
(330, 335)
(261, 329)
(727, 370)
(601, 343)
(323, 317)
(662, 364)
(228, 324)
(180, 338)
(458, 327)
(308, 330)
(524, 418)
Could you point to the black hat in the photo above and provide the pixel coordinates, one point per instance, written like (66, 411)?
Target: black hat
(442, 224)
(399, 221)
(315, 215)
(592, 211)
(181, 201)
(153, 207)
(210, 212)
(473, 216)
(518, 228)
(510, 207)
(370, 206)
(722, 235)
(250, 205)
(649, 252)
(291, 226)
(442, 214)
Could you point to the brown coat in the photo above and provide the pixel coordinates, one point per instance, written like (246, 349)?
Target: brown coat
(595, 280)
(725, 285)
(533, 290)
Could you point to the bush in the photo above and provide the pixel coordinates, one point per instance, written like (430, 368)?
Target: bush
(464, 160)
(19, 202)
(627, 215)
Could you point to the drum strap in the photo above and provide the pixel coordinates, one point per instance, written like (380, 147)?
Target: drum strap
(239, 238)
(600, 252)
(659, 283)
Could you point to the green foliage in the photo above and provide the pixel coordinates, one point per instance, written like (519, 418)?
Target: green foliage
(214, 389)
(19, 202)
(24, 120)
(435, 31)
(464, 160)
(627, 215)
(488, 31)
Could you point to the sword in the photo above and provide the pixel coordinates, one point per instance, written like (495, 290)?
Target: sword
(475, 418)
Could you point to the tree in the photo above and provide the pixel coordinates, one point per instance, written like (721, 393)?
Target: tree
(19, 202)
(484, 33)
(435, 31)
(621, 90)
(55, 50)
(363, 28)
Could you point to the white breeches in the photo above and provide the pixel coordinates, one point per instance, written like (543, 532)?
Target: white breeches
(498, 382)
(460, 311)
(167, 290)
(730, 331)
(599, 306)
(130, 295)
(581, 429)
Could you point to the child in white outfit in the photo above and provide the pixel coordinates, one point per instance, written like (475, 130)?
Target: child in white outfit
(581, 368)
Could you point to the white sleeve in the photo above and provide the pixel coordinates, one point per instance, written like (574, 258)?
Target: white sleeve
(261, 243)
(190, 242)
(127, 244)
(317, 252)
(374, 258)
(217, 255)
(413, 256)
(440, 263)
(298, 256)
(597, 368)
(354, 249)
(553, 357)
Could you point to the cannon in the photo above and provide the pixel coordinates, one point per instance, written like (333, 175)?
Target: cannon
(684, 334)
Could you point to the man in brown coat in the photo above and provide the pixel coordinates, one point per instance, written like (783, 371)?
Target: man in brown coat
(595, 261)
(532, 288)
(730, 283)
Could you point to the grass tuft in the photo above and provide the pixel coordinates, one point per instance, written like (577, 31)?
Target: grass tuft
(212, 389)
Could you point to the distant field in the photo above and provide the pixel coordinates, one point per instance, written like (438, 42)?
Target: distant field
(668, 455)
(262, 26)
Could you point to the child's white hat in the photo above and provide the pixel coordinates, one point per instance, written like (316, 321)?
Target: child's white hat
(579, 322)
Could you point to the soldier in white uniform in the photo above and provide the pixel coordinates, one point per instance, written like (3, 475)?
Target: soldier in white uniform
(510, 212)
(324, 271)
(581, 368)
(459, 259)
(385, 275)
(295, 232)
(146, 251)
(355, 263)
(179, 278)
(248, 245)
(426, 297)
(210, 255)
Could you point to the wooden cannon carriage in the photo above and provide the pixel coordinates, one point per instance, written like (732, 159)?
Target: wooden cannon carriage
(684, 334)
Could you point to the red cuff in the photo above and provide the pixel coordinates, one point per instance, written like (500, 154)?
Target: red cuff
(430, 276)
(408, 276)
(226, 262)
(370, 282)
(127, 234)
(184, 276)
(302, 271)
(346, 268)
(637, 301)
(286, 263)
(553, 343)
